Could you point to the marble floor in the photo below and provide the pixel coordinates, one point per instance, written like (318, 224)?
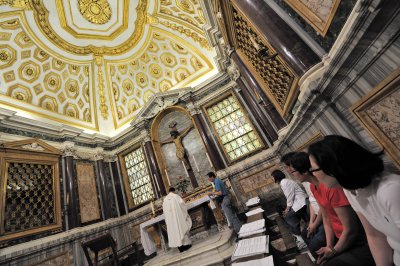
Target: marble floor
(211, 250)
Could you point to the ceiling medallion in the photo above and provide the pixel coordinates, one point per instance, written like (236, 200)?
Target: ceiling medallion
(95, 11)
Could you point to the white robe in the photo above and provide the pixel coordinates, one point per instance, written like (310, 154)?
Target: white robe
(177, 219)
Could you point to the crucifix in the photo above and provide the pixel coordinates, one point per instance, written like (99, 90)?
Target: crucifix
(176, 138)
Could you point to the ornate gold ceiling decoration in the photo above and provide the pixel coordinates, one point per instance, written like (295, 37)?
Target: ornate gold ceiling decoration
(41, 15)
(166, 63)
(58, 65)
(45, 84)
(24, 4)
(95, 11)
(70, 22)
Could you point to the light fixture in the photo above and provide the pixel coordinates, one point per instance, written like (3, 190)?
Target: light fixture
(262, 51)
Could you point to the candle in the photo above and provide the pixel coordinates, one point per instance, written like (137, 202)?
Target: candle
(155, 178)
(195, 163)
(152, 208)
(166, 173)
(212, 184)
(186, 171)
(209, 160)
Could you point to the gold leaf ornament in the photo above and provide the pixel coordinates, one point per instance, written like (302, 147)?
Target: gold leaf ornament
(95, 11)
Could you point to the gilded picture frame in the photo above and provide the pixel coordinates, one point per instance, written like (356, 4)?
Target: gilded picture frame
(318, 15)
(379, 113)
(314, 138)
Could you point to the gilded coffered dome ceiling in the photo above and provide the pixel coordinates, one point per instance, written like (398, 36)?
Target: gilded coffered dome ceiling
(93, 64)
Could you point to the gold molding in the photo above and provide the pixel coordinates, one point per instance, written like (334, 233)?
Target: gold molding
(179, 28)
(208, 67)
(8, 101)
(100, 16)
(179, 21)
(113, 35)
(386, 87)
(41, 17)
(23, 4)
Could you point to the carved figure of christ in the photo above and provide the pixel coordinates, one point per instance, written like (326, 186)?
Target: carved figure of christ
(176, 138)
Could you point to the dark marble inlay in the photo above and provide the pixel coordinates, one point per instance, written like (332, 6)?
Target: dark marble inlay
(342, 13)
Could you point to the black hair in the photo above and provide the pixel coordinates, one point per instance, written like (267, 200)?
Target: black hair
(210, 174)
(300, 162)
(171, 189)
(286, 158)
(278, 176)
(353, 166)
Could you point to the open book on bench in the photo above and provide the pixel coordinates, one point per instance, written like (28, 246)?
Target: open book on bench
(250, 247)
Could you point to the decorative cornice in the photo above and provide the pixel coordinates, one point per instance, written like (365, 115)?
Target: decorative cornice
(193, 108)
(98, 154)
(233, 71)
(145, 133)
(68, 149)
(157, 103)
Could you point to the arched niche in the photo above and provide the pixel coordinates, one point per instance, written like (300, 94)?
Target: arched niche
(165, 149)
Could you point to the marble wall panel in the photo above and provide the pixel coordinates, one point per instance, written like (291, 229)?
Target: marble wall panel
(87, 191)
(258, 180)
(58, 260)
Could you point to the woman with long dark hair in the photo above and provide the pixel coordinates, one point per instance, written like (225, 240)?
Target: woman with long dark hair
(373, 193)
(345, 243)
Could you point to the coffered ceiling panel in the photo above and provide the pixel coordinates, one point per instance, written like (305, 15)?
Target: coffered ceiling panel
(94, 63)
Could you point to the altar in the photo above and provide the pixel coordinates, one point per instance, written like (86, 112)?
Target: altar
(203, 210)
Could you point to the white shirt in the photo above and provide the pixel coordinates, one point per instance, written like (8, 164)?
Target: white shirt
(380, 204)
(311, 199)
(177, 219)
(294, 193)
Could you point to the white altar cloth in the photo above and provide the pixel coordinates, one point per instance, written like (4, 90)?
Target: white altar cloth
(147, 242)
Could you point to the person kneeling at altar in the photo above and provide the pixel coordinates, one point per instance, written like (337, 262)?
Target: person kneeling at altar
(178, 221)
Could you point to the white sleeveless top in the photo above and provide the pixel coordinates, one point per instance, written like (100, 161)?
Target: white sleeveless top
(380, 204)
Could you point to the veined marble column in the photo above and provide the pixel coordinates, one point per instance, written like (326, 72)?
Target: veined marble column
(102, 183)
(152, 161)
(212, 151)
(262, 120)
(276, 118)
(71, 203)
(118, 186)
(297, 54)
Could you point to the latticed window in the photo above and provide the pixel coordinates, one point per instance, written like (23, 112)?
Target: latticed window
(235, 132)
(30, 194)
(138, 177)
(29, 197)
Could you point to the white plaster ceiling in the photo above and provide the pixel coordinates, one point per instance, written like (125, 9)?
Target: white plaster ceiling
(93, 64)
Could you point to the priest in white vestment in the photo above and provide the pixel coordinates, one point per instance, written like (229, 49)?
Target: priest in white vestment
(178, 221)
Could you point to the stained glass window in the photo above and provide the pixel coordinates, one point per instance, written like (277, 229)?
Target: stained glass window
(138, 177)
(234, 130)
